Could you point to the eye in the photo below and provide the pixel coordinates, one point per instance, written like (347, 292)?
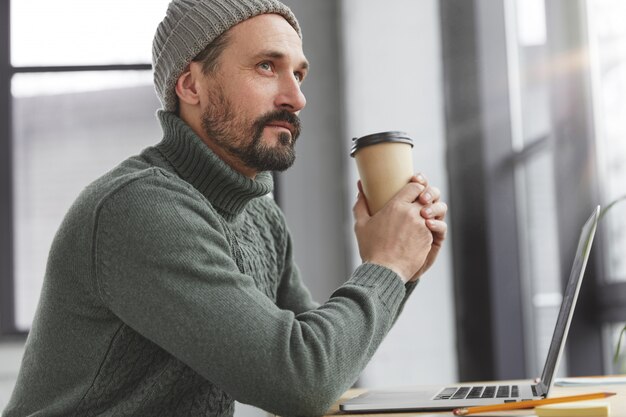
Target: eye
(265, 66)
(299, 76)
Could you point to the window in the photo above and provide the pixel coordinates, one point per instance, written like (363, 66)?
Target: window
(607, 40)
(76, 99)
(535, 108)
(78, 33)
(531, 127)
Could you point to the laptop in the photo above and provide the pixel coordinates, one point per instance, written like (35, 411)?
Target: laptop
(450, 397)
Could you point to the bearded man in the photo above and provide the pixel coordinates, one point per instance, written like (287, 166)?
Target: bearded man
(171, 288)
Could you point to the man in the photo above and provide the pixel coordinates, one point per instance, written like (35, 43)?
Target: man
(171, 288)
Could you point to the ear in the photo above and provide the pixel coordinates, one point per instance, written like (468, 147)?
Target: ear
(187, 86)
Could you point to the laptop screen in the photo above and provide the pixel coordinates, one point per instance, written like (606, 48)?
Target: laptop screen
(569, 300)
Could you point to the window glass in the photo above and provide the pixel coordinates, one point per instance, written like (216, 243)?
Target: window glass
(608, 40)
(532, 80)
(78, 32)
(538, 233)
(73, 130)
(531, 22)
(542, 273)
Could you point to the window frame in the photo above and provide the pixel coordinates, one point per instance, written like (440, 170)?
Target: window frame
(7, 312)
(485, 243)
(8, 328)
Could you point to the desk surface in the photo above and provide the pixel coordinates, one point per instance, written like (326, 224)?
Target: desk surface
(618, 402)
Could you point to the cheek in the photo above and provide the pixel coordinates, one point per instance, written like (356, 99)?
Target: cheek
(257, 94)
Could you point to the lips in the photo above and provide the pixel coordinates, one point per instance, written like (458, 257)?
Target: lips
(279, 118)
(285, 125)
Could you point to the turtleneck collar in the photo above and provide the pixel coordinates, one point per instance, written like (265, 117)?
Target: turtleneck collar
(226, 189)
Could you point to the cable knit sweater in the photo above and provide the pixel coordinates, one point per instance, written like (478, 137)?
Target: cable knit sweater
(171, 290)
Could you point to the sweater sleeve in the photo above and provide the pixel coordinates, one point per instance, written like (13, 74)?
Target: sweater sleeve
(293, 294)
(163, 266)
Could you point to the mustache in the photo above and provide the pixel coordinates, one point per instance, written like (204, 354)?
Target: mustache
(280, 116)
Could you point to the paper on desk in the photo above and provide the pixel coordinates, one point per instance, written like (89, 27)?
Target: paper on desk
(570, 382)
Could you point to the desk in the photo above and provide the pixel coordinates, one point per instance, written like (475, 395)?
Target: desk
(618, 402)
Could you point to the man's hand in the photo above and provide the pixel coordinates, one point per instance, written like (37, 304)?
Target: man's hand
(396, 237)
(434, 211)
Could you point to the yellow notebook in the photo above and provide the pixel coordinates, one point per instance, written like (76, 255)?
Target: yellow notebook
(575, 409)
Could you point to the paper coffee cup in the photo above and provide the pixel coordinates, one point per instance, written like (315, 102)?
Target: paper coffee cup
(385, 164)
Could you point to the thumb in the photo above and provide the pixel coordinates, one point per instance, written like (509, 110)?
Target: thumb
(360, 209)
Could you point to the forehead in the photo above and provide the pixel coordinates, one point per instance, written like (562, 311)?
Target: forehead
(266, 32)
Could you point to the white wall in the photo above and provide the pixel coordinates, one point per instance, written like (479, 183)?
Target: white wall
(312, 192)
(373, 68)
(393, 81)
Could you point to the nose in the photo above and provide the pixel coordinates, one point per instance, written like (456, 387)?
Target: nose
(290, 96)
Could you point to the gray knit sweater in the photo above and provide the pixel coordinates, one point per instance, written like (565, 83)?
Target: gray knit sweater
(171, 290)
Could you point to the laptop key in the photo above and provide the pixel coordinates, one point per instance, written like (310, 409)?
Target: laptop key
(489, 392)
(461, 393)
(446, 393)
(503, 392)
(535, 390)
(475, 392)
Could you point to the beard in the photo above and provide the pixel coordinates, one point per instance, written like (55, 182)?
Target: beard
(244, 140)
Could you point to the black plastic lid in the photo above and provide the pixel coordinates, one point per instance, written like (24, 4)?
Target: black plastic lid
(382, 137)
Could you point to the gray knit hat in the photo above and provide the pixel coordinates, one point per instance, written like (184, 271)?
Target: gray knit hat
(189, 26)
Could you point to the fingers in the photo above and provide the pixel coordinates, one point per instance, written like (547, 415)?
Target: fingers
(435, 214)
(434, 211)
(437, 226)
(410, 192)
(419, 178)
(429, 195)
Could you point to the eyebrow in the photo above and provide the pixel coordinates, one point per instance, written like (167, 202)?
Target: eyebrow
(279, 55)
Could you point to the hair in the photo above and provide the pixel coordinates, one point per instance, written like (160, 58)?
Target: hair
(209, 56)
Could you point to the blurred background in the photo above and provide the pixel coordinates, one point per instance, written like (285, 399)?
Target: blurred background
(517, 109)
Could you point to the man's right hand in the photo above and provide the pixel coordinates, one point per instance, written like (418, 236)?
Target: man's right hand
(397, 236)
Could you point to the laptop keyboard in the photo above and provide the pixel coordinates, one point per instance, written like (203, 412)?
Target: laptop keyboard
(490, 391)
